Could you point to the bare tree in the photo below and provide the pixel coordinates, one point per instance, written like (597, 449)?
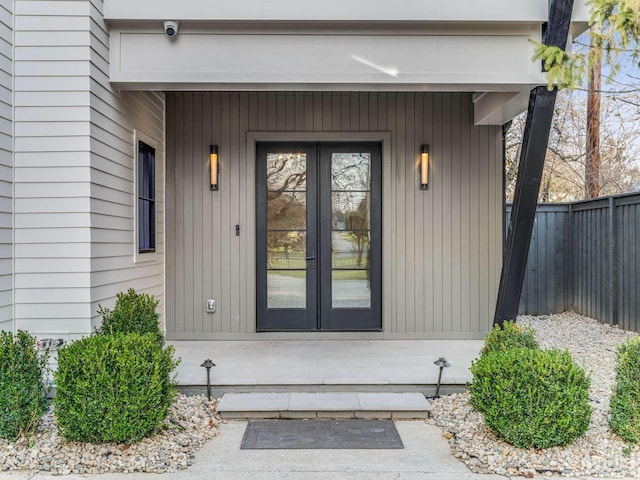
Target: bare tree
(563, 178)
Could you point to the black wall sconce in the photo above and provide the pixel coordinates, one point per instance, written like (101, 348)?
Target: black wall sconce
(424, 167)
(214, 167)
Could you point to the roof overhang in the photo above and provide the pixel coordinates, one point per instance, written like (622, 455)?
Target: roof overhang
(367, 45)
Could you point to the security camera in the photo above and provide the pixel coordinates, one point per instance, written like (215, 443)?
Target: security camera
(171, 28)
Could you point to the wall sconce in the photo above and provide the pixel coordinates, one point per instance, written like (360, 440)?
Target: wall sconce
(424, 167)
(213, 167)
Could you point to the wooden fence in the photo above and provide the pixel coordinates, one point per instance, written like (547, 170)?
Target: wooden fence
(585, 256)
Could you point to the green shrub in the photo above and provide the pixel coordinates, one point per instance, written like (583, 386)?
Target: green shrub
(531, 398)
(625, 401)
(133, 312)
(113, 388)
(22, 389)
(509, 336)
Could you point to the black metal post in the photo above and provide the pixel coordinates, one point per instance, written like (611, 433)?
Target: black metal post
(208, 364)
(442, 363)
(534, 146)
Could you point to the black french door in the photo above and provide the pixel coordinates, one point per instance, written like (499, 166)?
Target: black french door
(319, 245)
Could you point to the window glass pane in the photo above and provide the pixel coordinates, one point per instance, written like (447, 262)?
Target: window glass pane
(286, 210)
(350, 171)
(146, 222)
(146, 198)
(350, 249)
(286, 171)
(350, 211)
(286, 289)
(350, 289)
(146, 171)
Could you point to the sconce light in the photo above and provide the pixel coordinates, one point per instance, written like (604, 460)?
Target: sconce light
(213, 167)
(424, 167)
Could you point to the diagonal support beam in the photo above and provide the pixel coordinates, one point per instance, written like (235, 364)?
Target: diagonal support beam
(534, 147)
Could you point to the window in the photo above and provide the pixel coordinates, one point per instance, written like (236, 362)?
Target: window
(146, 192)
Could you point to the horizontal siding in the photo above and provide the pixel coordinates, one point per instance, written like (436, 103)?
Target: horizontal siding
(74, 170)
(6, 165)
(114, 117)
(52, 170)
(441, 247)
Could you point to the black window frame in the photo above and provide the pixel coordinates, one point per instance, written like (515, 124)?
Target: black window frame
(146, 177)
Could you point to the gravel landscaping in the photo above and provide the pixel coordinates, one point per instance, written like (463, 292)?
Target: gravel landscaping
(190, 423)
(600, 453)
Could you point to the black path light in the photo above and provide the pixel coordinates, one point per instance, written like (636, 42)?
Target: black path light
(208, 364)
(442, 363)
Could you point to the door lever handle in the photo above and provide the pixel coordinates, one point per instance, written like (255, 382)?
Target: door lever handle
(310, 258)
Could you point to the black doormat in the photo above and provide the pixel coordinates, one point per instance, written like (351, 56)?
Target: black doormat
(321, 434)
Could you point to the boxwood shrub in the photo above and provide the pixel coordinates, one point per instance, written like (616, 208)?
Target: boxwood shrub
(22, 388)
(113, 388)
(625, 401)
(531, 398)
(133, 312)
(509, 336)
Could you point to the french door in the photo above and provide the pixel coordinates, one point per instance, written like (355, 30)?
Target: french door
(319, 222)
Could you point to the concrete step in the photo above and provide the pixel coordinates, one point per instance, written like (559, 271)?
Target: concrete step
(324, 405)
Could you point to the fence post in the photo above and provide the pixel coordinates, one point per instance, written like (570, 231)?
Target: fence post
(569, 269)
(613, 271)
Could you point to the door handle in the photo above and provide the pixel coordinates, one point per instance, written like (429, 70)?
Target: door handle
(310, 258)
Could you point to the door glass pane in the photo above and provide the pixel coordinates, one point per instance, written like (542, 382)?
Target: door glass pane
(286, 289)
(286, 210)
(286, 230)
(350, 289)
(350, 171)
(349, 210)
(286, 250)
(350, 250)
(286, 171)
(350, 230)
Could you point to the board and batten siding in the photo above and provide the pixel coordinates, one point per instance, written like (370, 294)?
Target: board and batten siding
(442, 248)
(74, 159)
(6, 165)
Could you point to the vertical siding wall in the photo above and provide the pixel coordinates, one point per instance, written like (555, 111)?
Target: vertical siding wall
(6, 165)
(74, 170)
(442, 246)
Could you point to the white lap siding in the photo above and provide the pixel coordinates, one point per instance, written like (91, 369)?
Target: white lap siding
(6, 165)
(74, 171)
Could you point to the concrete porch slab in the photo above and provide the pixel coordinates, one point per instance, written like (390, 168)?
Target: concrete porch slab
(325, 365)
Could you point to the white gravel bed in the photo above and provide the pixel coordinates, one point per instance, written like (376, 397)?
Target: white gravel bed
(190, 423)
(600, 453)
